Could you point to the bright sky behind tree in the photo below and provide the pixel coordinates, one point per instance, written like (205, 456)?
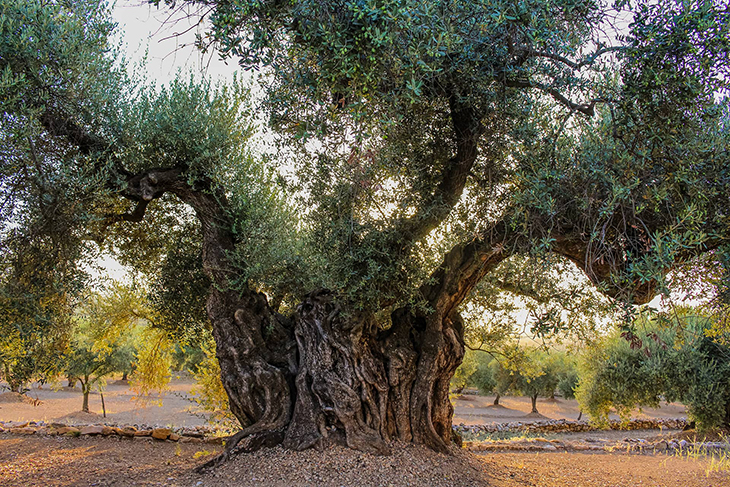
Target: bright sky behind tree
(145, 28)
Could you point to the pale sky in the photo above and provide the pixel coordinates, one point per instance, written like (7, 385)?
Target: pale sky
(146, 28)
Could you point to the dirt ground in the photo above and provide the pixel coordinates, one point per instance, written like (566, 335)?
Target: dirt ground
(58, 461)
(474, 409)
(64, 405)
(47, 462)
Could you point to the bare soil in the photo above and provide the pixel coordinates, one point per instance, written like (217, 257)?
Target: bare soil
(58, 461)
(48, 461)
(63, 405)
(474, 409)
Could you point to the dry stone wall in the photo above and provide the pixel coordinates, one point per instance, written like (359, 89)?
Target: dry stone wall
(565, 426)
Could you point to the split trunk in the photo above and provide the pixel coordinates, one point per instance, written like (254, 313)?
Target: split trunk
(327, 374)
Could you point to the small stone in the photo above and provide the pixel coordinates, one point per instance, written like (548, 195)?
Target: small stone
(191, 432)
(58, 425)
(68, 430)
(173, 437)
(128, 431)
(92, 430)
(161, 433)
(108, 430)
(214, 440)
(22, 431)
(143, 433)
(190, 439)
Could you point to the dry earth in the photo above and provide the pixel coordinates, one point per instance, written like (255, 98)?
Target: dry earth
(64, 405)
(474, 409)
(59, 461)
(31, 461)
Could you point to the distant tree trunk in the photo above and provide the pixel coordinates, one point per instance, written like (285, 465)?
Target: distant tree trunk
(533, 398)
(13, 384)
(496, 399)
(580, 415)
(124, 375)
(85, 389)
(71, 382)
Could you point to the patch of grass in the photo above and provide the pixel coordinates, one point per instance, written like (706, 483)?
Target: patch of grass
(719, 463)
(719, 460)
(201, 453)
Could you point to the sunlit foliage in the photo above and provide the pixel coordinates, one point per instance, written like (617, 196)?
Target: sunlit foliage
(671, 358)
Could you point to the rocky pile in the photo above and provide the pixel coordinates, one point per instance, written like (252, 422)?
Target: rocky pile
(565, 426)
(198, 434)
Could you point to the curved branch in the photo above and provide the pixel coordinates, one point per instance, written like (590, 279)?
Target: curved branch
(60, 124)
(467, 131)
(573, 64)
(584, 108)
(135, 216)
(601, 269)
(465, 265)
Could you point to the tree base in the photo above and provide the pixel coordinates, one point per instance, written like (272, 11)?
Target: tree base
(353, 384)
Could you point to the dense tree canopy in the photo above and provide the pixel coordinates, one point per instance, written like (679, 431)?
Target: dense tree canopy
(421, 146)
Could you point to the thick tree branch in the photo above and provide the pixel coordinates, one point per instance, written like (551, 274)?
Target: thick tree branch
(135, 216)
(602, 269)
(60, 124)
(465, 265)
(467, 131)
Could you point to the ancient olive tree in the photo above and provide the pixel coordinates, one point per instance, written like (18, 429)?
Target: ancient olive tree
(424, 143)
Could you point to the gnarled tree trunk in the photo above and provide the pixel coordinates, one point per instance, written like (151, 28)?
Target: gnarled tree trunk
(360, 385)
(338, 377)
(329, 375)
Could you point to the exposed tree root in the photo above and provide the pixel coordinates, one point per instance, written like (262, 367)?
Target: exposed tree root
(243, 442)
